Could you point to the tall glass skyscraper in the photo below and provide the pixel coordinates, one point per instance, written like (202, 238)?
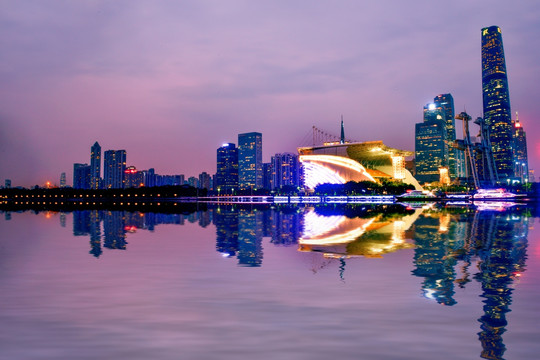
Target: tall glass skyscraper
(227, 169)
(496, 101)
(521, 162)
(431, 147)
(114, 167)
(95, 166)
(250, 165)
(446, 102)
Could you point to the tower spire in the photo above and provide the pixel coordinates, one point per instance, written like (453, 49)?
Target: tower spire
(342, 139)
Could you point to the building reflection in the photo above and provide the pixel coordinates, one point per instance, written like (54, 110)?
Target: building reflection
(450, 247)
(239, 233)
(496, 241)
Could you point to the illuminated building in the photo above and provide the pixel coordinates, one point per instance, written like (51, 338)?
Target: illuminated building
(250, 173)
(95, 166)
(446, 102)
(114, 167)
(133, 177)
(267, 176)
(63, 180)
(431, 146)
(227, 169)
(285, 170)
(496, 100)
(443, 176)
(81, 176)
(521, 163)
(336, 163)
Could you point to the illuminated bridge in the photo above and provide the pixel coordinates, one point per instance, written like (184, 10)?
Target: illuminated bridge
(337, 163)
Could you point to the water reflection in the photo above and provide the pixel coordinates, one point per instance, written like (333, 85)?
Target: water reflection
(450, 247)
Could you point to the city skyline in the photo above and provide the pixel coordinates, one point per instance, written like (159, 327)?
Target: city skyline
(77, 73)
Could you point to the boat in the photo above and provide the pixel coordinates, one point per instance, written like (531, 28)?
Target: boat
(494, 194)
(414, 195)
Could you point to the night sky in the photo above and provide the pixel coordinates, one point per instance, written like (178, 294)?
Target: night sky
(170, 81)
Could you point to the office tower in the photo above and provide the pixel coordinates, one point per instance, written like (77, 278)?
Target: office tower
(431, 148)
(521, 162)
(95, 166)
(133, 178)
(446, 102)
(204, 180)
(267, 176)
(285, 170)
(496, 100)
(227, 169)
(63, 180)
(81, 176)
(250, 174)
(114, 167)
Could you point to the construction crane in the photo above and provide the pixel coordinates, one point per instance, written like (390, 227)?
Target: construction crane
(487, 151)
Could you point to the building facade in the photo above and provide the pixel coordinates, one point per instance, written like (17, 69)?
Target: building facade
(496, 101)
(95, 166)
(227, 169)
(114, 168)
(205, 181)
(431, 146)
(521, 161)
(446, 102)
(81, 176)
(133, 177)
(250, 171)
(285, 170)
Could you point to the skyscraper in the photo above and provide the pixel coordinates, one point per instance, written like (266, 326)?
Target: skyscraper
(446, 102)
(114, 167)
(95, 166)
(496, 100)
(521, 162)
(285, 170)
(250, 173)
(227, 169)
(431, 147)
(81, 176)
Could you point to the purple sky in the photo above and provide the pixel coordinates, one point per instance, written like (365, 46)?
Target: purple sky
(170, 81)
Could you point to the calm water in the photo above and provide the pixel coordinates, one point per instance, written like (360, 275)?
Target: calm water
(241, 283)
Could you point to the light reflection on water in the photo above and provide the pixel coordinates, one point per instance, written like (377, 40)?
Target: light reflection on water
(302, 283)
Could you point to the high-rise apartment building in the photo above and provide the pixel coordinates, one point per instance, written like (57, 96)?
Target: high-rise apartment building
(521, 162)
(95, 166)
(446, 102)
(205, 180)
(81, 176)
(250, 165)
(114, 168)
(285, 170)
(496, 101)
(227, 169)
(431, 146)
